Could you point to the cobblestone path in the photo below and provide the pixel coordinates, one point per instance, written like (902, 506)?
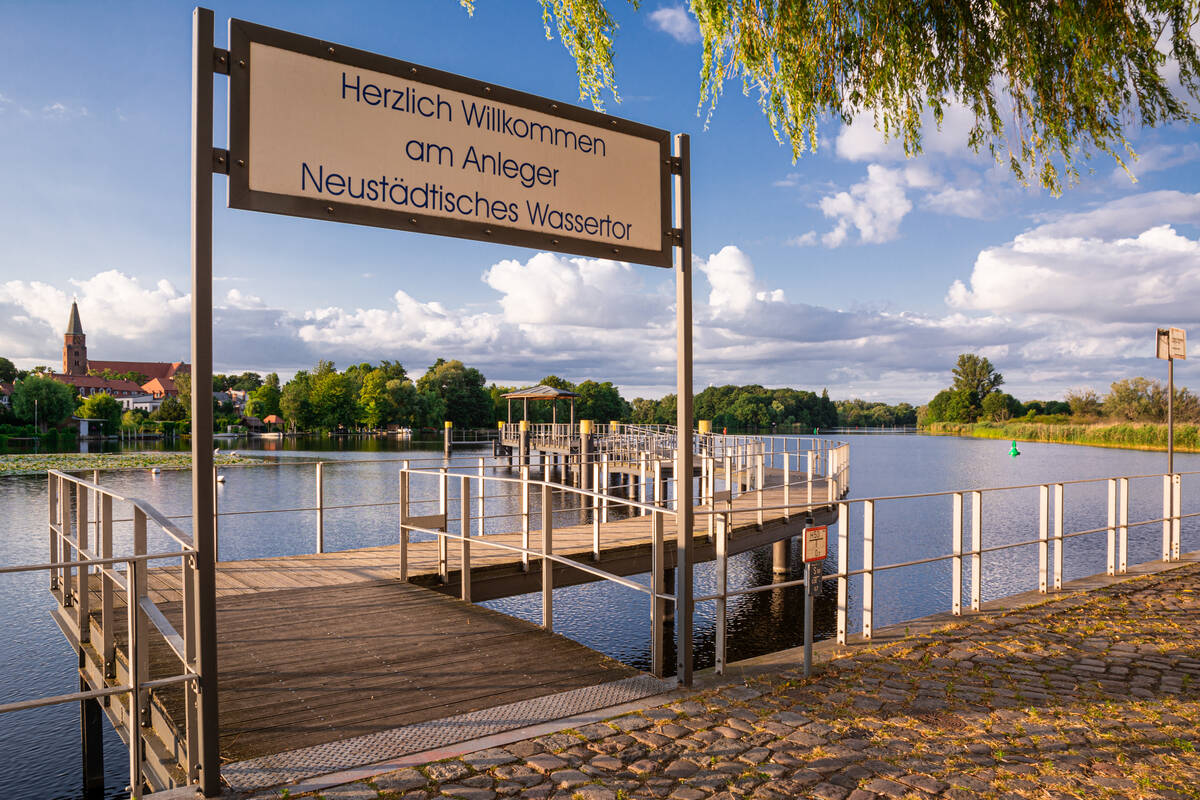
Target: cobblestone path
(1087, 696)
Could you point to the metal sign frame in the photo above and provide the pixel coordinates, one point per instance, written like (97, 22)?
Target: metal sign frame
(208, 60)
(242, 34)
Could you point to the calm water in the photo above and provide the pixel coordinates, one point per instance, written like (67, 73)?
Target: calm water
(39, 754)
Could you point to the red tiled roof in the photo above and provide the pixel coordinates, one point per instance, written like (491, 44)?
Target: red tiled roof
(160, 387)
(151, 369)
(5, 388)
(99, 384)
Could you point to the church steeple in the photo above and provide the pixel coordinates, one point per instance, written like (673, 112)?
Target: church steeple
(74, 345)
(74, 326)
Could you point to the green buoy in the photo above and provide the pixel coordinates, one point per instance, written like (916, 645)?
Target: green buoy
(1014, 452)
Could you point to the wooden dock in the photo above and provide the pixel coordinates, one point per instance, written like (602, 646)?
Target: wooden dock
(322, 656)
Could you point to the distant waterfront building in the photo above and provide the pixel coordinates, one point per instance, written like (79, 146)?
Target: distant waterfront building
(5, 393)
(160, 375)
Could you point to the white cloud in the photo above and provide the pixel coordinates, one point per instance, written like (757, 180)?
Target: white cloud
(734, 288)
(959, 202)
(676, 22)
(803, 240)
(59, 110)
(873, 207)
(862, 141)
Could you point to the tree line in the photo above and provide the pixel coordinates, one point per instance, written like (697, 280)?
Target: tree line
(975, 396)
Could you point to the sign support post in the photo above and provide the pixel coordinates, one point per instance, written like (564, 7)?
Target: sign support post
(814, 548)
(203, 530)
(681, 167)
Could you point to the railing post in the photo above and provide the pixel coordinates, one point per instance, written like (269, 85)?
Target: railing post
(730, 483)
(956, 562)
(722, 557)
(320, 507)
(787, 485)
(710, 494)
(1166, 517)
(51, 512)
(1112, 527)
(1058, 536)
(482, 496)
(603, 488)
(525, 517)
(82, 573)
(658, 606)
(547, 564)
(216, 497)
(808, 457)
(643, 461)
(403, 487)
(843, 560)
(1177, 517)
(976, 547)
(64, 548)
(1043, 537)
(138, 654)
(868, 612)
(465, 566)
(105, 531)
(1123, 533)
(443, 509)
(760, 487)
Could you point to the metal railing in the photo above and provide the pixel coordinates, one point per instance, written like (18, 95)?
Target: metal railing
(81, 564)
(1050, 543)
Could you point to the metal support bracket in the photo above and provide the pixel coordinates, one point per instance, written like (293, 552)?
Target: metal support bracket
(675, 163)
(220, 61)
(220, 159)
(676, 236)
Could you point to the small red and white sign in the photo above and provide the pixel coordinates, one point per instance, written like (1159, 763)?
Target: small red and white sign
(815, 543)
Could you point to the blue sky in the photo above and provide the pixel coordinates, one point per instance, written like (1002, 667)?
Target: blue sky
(853, 269)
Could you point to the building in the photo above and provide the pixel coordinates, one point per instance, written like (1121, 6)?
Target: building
(6, 394)
(79, 371)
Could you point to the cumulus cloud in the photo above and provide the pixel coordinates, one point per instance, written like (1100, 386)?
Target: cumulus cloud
(1156, 159)
(1068, 302)
(676, 22)
(862, 141)
(873, 207)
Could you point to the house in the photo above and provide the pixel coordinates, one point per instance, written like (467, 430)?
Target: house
(145, 402)
(6, 394)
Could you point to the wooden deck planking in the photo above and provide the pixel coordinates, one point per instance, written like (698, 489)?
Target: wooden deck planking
(299, 667)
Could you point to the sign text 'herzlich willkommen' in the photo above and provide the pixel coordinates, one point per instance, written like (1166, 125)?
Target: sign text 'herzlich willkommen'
(328, 132)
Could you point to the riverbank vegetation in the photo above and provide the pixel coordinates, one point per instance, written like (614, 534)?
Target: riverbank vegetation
(1132, 414)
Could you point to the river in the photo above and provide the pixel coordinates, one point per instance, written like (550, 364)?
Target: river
(39, 752)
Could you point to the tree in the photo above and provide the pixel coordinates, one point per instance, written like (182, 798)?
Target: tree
(264, 401)
(374, 402)
(1132, 398)
(102, 406)
(294, 403)
(1083, 403)
(334, 400)
(460, 389)
(600, 401)
(46, 399)
(8, 370)
(1068, 76)
(406, 403)
(1000, 406)
(975, 374)
(183, 385)
(171, 410)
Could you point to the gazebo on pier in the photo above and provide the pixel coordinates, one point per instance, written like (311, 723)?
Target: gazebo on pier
(540, 392)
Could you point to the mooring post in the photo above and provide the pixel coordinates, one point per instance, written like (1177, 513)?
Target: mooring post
(1043, 538)
(447, 429)
(523, 443)
(781, 560)
(1111, 561)
(91, 738)
(585, 453)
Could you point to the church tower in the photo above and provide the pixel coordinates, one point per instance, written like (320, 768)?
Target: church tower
(75, 360)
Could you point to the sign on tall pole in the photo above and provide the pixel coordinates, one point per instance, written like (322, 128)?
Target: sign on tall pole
(329, 132)
(1170, 344)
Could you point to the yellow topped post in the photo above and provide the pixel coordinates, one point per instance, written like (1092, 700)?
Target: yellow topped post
(614, 424)
(585, 427)
(446, 437)
(705, 425)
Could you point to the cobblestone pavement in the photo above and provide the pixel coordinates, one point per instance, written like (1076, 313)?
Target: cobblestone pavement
(1088, 696)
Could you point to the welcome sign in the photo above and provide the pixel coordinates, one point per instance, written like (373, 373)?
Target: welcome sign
(323, 131)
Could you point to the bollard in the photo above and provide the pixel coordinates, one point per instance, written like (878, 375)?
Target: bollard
(446, 444)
